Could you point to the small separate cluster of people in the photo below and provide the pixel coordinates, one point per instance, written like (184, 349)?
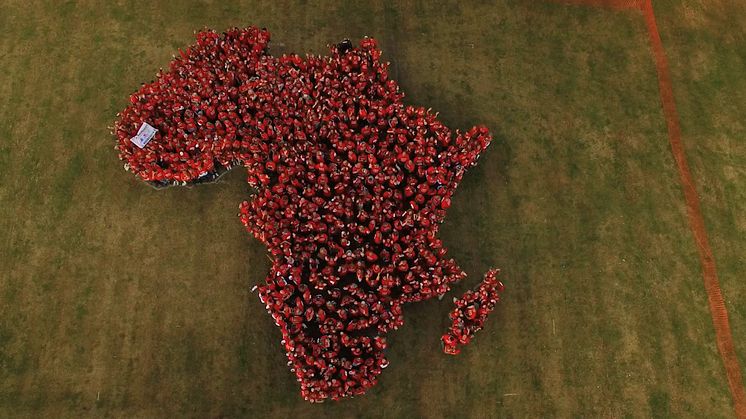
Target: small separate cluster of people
(471, 312)
(352, 186)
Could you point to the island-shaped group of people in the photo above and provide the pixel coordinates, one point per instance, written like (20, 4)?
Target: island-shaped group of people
(351, 187)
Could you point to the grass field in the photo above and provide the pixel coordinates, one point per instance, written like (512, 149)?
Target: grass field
(119, 300)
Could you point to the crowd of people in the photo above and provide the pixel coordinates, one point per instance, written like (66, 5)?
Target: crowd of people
(471, 311)
(202, 108)
(352, 186)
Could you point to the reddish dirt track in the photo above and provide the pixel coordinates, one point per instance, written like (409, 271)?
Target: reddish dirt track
(696, 222)
(718, 310)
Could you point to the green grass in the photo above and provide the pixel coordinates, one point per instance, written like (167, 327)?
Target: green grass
(708, 67)
(119, 300)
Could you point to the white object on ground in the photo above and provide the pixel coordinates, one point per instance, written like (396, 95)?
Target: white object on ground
(144, 135)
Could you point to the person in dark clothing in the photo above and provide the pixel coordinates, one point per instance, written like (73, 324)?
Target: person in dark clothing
(344, 46)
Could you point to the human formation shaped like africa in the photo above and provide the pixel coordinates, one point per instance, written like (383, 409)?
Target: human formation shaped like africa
(351, 184)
